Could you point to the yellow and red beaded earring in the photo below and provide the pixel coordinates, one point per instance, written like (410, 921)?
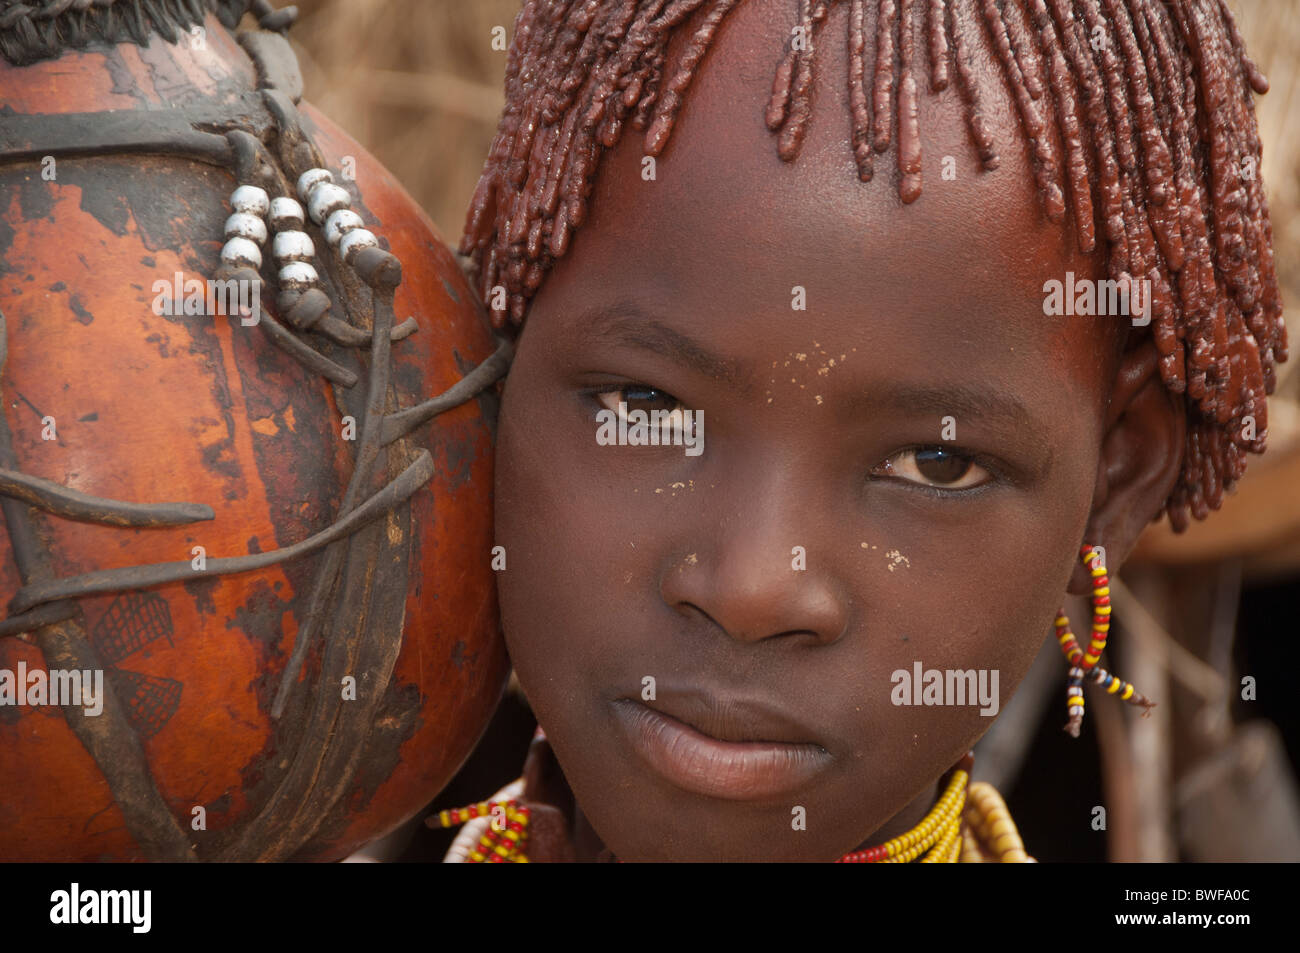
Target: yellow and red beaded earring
(1084, 664)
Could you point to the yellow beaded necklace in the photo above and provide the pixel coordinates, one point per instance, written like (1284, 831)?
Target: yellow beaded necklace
(969, 823)
(937, 837)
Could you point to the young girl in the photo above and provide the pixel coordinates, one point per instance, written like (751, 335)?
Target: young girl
(942, 301)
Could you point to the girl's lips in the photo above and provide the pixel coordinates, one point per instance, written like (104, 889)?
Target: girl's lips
(695, 762)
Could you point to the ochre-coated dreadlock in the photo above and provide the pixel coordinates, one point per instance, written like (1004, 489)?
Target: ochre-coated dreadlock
(1137, 113)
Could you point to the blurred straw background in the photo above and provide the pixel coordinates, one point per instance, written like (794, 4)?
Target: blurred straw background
(419, 84)
(414, 81)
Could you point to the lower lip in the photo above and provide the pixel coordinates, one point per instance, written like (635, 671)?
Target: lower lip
(735, 770)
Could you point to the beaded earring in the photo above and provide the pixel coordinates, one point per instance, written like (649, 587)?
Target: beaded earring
(1084, 664)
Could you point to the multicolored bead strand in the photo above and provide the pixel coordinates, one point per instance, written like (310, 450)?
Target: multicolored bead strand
(1084, 664)
(495, 846)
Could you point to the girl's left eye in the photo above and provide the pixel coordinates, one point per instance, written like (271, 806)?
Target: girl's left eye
(937, 467)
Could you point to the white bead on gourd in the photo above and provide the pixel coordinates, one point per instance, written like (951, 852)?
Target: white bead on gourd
(354, 241)
(286, 214)
(240, 252)
(293, 246)
(310, 179)
(298, 276)
(340, 223)
(325, 199)
(246, 225)
(250, 199)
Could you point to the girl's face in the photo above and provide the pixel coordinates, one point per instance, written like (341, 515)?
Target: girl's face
(766, 590)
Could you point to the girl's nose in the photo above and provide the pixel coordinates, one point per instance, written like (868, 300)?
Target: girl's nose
(764, 574)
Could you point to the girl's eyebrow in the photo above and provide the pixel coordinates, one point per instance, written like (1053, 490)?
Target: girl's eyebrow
(627, 324)
(1002, 414)
(947, 400)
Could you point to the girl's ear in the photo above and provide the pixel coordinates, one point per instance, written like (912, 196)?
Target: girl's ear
(1141, 457)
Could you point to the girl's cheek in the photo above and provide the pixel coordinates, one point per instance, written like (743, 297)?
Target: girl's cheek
(979, 601)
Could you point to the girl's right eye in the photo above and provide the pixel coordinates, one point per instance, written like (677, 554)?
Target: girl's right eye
(651, 402)
(639, 397)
